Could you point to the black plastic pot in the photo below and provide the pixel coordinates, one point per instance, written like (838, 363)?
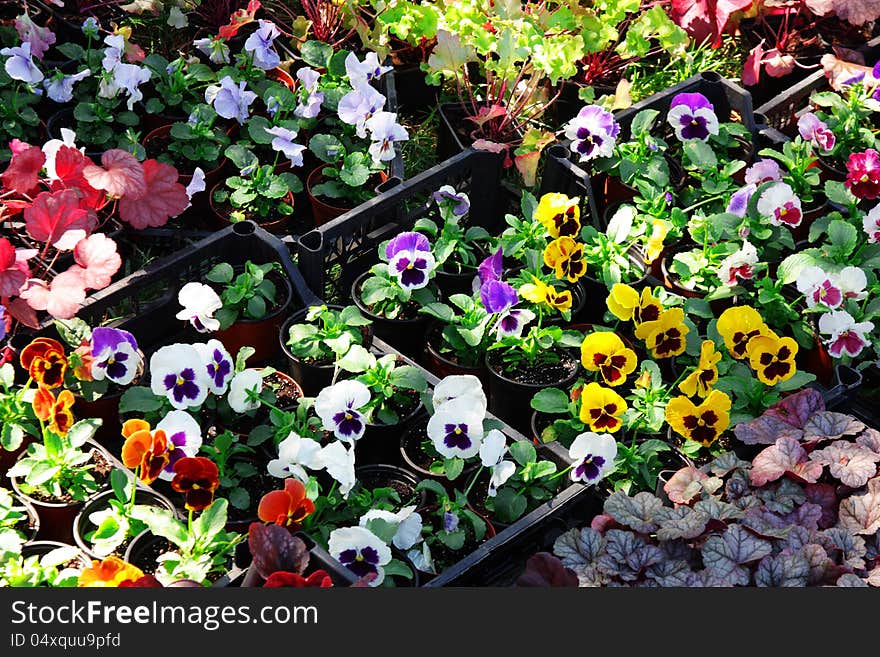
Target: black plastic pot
(33, 518)
(409, 445)
(414, 94)
(312, 377)
(405, 335)
(383, 475)
(441, 365)
(511, 400)
(380, 442)
(139, 552)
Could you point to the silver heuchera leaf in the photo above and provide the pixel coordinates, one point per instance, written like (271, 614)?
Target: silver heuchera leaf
(819, 562)
(874, 577)
(806, 516)
(852, 464)
(860, 514)
(579, 547)
(829, 425)
(798, 537)
(783, 497)
(765, 430)
(725, 555)
(618, 550)
(634, 512)
(644, 557)
(764, 522)
(848, 580)
(670, 573)
(852, 549)
(718, 510)
(726, 463)
(870, 439)
(681, 522)
(784, 570)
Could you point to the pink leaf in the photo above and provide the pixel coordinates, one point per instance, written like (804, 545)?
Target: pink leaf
(62, 299)
(165, 197)
(58, 219)
(798, 407)
(857, 12)
(751, 72)
(785, 457)
(860, 514)
(121, 176)
(852, 464)
(685, 485)
(777, 64)
(22, 174)
(22, 312)
(706, 19)
(99, 260)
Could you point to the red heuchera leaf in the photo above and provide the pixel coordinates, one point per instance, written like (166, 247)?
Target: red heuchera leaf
(318, 579)
(860, 514)
(165, 197)
(21, 311)
(797, 408)
(602, 523)
(238, 19)
(121, 175)
(706, 19)
(61, 299)
(99, 260)
(785, 457)
(21, 175)
(545, 569)
(58, 219)
(825, 496)
(69, 166)
(275, 549)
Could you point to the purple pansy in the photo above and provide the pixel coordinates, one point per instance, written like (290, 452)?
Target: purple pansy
(593, 133)
(457, 203)
(360, 73)
(230, 100)
(497, 296)
(816, 131)
(492, 267)
(20, 65)
(511, 323)
(450, 521)
(739, 202)
(40, 38)
(592, 456)
(692, 116)
(310, 106)
(261, 45)
(115, 356)
(358, 106)
(283, 143)
(339, 406)
(762, 171)
(184, 436)
(178, 373)
(848, 337)
(410, 260)
(60, 87)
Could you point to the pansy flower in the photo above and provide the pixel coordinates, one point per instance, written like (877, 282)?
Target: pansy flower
(847, 336)
(460, 386)
(605, 352)
(114, 356)
(362, 72)
(512, 322)
(215, 49)
(692, 116)
(772, 358)
(566, 257)
(20, 65)
(361, 551)
(816, 131)
(497, 296)
(870, 224)
(863, 174)
(144, 450)
(601, 408)
(197, 478)
(260, 44)
(818, 288)
(648, 308)
(243, 390)
(492, 267)
(311, 99)
(762, 171)
(45, 361)
(739, 265)
(655, 242)
(199, 302)
(592, 133)
(230, 100)
(665, 336)
(339, 406)
(183, 437)
(593, 457)
(410, 260)
(456, 428)
(60, 87)
(449, 200)
(385, 132)
(539, 292)
(492, 453)
(622, 301)
(296, 455)
(852, 282)
(178, 373)
(407, 521)
(339, 463)
(218, 365)
(282, 141)
(287, 507)
(705, 374)
(54, 410)
(780, 206)
(702, 424)
(111, 572)
(737, 326)
(358, 106)
(739, 201)
(559, 214)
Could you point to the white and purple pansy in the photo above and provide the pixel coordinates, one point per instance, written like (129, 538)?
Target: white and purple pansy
(339, 406)
(511, 322)
(407, 523)
(739, 265)
(692, 116)
(361, 551)
(592, 133)
(199, 302)
(358, 106)
(739, 201)
(593, 456)
(491, 268)
(871, 225)
(456, 428)
(283, 143)
(819, 288)
(780, 205)
(762, 171)
(460, 386)
(451, 202)
(177, 373)
(296, 456)
(498, 296)
(816, 131)
(244, 390)
(362, 72)
(410, 260)
(115, 356)
(848, 337)
(311, 99)
(218, 365)
(492, 453)
(184, 436)
(385, 132)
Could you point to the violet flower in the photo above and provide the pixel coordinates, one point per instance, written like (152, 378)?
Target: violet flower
(60, 87)
(361, 73)
(497, 296)
(261, 46)
(229, 100)
(593, 133)
(115, 356)
(20, 65)
(39, 38)
(358, 106)
(310, 107)
(385, 131)
(283, 143)
(816, 131)
(692, 116)
(457, 202)
(410, 260)
(762, 171)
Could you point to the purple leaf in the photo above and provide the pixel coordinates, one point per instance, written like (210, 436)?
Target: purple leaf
(765, 523)
(805, 516)
(274, 548)
(784, 570)
(671, 573)
(783, 497)
(545, 570)
(725, 555)
(634, 512)
(726, 463)
(765, 430)
(848, 580)
(681, 522)
(830, 426)
(797, 408)
(870, 439)
(579, 547)
(844, 548)
(825, 496)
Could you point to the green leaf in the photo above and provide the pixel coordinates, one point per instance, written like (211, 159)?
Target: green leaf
(551, 400)
(119, 482)
(162, 522)
(453, 468)
(256, 308)
(141, 400)
(397, 568)
(11, 436)
(434, 486)
(358, 359)
(326, 148)
(221, 273)
(241, 357)
(408, 377)
(239, 498)
(382, 528)
(212, 521)
(523, 452)
(82, 431)
(316, 53)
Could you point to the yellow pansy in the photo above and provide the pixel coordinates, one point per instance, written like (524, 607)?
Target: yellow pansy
(772, 358)
(659, 231)
(700, 381)
(566, 258)
(703, 423)
(665, 337)
(622, 301)
(605, 352)
(559, 214)
(601, 408)
(738, 325)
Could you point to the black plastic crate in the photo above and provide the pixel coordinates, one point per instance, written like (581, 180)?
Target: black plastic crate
(333, 255)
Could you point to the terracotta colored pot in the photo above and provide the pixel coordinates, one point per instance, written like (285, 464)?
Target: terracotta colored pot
(272, 225)
(322, 211)
(282, 76)
(211, 177)
(670, 282)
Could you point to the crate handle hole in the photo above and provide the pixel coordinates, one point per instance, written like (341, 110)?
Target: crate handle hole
(244, 228)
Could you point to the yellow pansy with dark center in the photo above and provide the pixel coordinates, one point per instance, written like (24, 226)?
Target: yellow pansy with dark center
(666, 336)
(705, 374)
(559, 214)
(702, 424)
(648, 308)
(622, 301)
(772, 358)
(738, 326)
(605, 352)
(566, 257)
(601, 408)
